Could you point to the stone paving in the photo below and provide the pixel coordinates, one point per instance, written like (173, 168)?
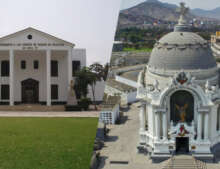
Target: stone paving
(49, 114)
(121, 146)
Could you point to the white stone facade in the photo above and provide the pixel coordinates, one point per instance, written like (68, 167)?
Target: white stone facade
(159, 132)
(31, 45)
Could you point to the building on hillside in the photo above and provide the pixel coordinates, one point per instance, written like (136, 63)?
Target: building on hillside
(36, 67)
(180, 96)
(215, 44)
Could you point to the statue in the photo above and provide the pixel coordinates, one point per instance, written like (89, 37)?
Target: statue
(72, 101)
(182, 111)
(183, 11)
(141, 77)
(156, 85)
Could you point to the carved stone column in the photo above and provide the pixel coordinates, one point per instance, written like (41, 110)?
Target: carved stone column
(142, 116)
(157, 125)
(206, 126)
(218, 118)
(164, 114)
(199, 126)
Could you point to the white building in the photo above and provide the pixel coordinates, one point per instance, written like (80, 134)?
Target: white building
(180, 96)
(36, 67)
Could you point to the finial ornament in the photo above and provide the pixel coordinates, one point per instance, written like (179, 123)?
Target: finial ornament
(183, 11)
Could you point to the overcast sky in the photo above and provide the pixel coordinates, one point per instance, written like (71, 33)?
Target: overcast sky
(89, 24)
(204, 4)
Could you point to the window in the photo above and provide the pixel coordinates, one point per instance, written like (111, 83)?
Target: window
(4, 92)
(75, 67)
(54, 68)
(29, 37)
(36, 64)
(5, 68)
(54, 92)
(23, 64)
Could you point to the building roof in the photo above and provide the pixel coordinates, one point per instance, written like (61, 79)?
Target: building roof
(30, 29)
(119, 86)
(181, 51)
(131, 75)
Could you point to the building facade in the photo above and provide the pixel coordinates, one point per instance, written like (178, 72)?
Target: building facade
(36, 67)
(215, 45)
(180, 96)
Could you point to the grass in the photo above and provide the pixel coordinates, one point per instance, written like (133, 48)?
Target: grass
(46, 143)
(137, 50)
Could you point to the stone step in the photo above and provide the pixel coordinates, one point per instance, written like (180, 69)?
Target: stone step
(183, 162)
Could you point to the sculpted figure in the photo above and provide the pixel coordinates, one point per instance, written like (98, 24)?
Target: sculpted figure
(72, 95)
(72, 83)
(182, 111)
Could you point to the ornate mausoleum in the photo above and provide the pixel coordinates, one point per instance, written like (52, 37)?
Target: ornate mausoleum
(180, 95)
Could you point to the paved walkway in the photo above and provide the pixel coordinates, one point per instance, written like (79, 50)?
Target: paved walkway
(121, 146)
(49, 114)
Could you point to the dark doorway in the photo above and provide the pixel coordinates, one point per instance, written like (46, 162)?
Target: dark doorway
(182, 107)
(30, 91)
(182, 144)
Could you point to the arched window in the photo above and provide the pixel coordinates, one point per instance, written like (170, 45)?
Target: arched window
(182, 107)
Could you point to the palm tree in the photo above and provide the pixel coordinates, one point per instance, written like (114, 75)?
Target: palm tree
(82, 82)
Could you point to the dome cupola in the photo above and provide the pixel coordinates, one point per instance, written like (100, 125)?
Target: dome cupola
(181, 50)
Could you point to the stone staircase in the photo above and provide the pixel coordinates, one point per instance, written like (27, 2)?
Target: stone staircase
(33, 108)
(184, 162)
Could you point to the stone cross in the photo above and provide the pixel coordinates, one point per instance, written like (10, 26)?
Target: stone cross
(183, 11)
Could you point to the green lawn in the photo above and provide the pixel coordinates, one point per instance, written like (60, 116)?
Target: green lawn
(137, 50)
(46, 143)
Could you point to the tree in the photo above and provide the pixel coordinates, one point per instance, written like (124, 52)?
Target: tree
(97, 69)
(95, 74)
(82, 82)
(93, 78)
(105, 71)
(100, 70)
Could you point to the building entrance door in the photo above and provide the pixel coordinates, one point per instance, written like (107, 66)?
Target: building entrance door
(182, 144)
(30, 91)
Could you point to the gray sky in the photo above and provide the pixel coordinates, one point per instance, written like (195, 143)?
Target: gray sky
(89, 24)
(204, 4)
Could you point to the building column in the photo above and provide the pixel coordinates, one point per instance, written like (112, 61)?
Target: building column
(11, 76)
(157, 125)
(142, 116)
(69, 66)
(199, 126)
(48, 62)
(218, 118)
(164, 125)
(206, 126)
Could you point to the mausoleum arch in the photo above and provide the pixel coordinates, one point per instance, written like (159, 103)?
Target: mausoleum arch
(165, 96)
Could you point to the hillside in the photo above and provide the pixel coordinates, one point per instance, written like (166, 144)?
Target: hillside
(215, 13)
(154, 11)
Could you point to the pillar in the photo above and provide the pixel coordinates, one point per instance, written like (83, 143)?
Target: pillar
(48, 62)
(199, 126)
(142, 116)
(206, 127)
(69, 66)
(157, 125)
(218, 118)
(11, 77)
(164, 125)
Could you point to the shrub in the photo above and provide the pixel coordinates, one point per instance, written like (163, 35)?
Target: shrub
(84, 103)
